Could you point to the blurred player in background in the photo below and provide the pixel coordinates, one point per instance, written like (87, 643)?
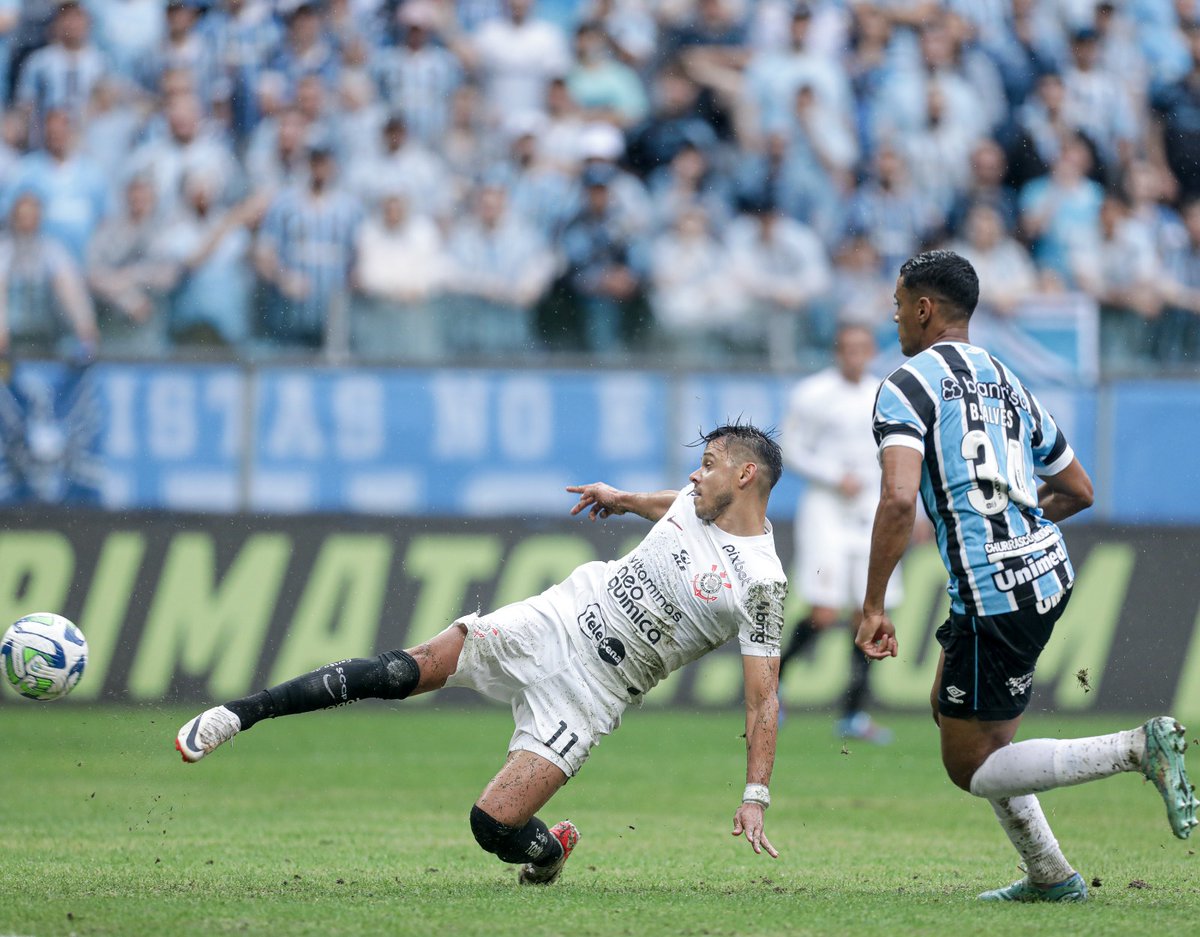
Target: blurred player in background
(571, 659)
(957, 426)
(827, 442)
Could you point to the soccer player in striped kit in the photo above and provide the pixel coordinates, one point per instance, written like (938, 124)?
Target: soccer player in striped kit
(955, 425)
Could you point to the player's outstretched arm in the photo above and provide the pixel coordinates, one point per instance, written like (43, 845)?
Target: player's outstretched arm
(601, 500)
(762, 725)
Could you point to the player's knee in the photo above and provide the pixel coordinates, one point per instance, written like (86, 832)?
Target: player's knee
(401, 674)
(490, 833)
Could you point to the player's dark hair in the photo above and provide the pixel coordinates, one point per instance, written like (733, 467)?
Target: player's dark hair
(945, 274)
(761, 444)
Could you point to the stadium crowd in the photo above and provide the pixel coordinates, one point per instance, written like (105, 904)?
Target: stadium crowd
(720, 181)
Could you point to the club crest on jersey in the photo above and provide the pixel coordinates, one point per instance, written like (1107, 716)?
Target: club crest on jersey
(707, 586)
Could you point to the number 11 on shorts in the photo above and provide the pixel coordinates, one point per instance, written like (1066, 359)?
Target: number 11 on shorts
(562, 727)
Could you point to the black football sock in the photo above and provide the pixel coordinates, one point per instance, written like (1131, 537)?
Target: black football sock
(391, 675)
(856, 692)
(529, 843)
(802, 636)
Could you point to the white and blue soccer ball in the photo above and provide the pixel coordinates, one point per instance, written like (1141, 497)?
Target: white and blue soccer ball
(43, 656)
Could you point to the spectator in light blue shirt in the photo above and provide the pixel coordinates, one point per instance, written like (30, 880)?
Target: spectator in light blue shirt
(73, 195)
(209, 246)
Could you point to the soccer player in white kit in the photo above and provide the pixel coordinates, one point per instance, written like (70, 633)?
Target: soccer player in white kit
(827, 441)
(573, 658)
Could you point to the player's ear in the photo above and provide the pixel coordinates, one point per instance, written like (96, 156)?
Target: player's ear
(748, 474)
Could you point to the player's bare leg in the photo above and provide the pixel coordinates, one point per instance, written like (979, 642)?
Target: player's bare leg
(392, 675)
(504, 822)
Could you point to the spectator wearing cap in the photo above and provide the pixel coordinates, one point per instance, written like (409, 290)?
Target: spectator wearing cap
(242, 35)
(401, 164)
(185, 147)
(129, 276)
(602, 145)
(184, 48)
(514, 56)
(73, 197)
(42, 294)
(209, 249)
(418, 77)
(1097, 103)
(603, 86)
(697, 305)
(305, 253)
(401, 266)
(674, 121)
(498, 269)
(61, 75)
(603, 270)
(783, 270)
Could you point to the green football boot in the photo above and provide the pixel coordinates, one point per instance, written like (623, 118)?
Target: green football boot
(1166, 741)
(1073, 889)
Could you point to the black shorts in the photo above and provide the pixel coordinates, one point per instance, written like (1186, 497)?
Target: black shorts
(988, 673)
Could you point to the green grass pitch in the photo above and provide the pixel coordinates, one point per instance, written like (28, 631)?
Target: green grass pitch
(355, 822)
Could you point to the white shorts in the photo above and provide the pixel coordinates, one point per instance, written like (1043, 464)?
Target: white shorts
(519, 655)
(833, 553)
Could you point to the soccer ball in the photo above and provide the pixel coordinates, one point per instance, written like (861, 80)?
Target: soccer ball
(43, 656)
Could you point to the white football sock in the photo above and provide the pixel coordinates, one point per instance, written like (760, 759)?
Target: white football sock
(1044, 764)
(1028, 831)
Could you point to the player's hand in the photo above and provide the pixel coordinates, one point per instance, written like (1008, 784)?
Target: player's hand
(749, 820)
(876, 636)
(598, 499)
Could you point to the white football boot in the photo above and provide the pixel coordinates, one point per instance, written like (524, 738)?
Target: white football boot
(202, 735)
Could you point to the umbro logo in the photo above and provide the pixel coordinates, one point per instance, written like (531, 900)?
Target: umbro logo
(956, 695)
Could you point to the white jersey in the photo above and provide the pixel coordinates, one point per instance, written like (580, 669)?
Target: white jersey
(827, 436)
(687, 588)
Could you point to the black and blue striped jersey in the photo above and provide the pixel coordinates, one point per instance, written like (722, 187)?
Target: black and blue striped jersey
(983, 437)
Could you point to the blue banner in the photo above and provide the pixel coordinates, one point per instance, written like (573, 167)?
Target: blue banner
(478, 442)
